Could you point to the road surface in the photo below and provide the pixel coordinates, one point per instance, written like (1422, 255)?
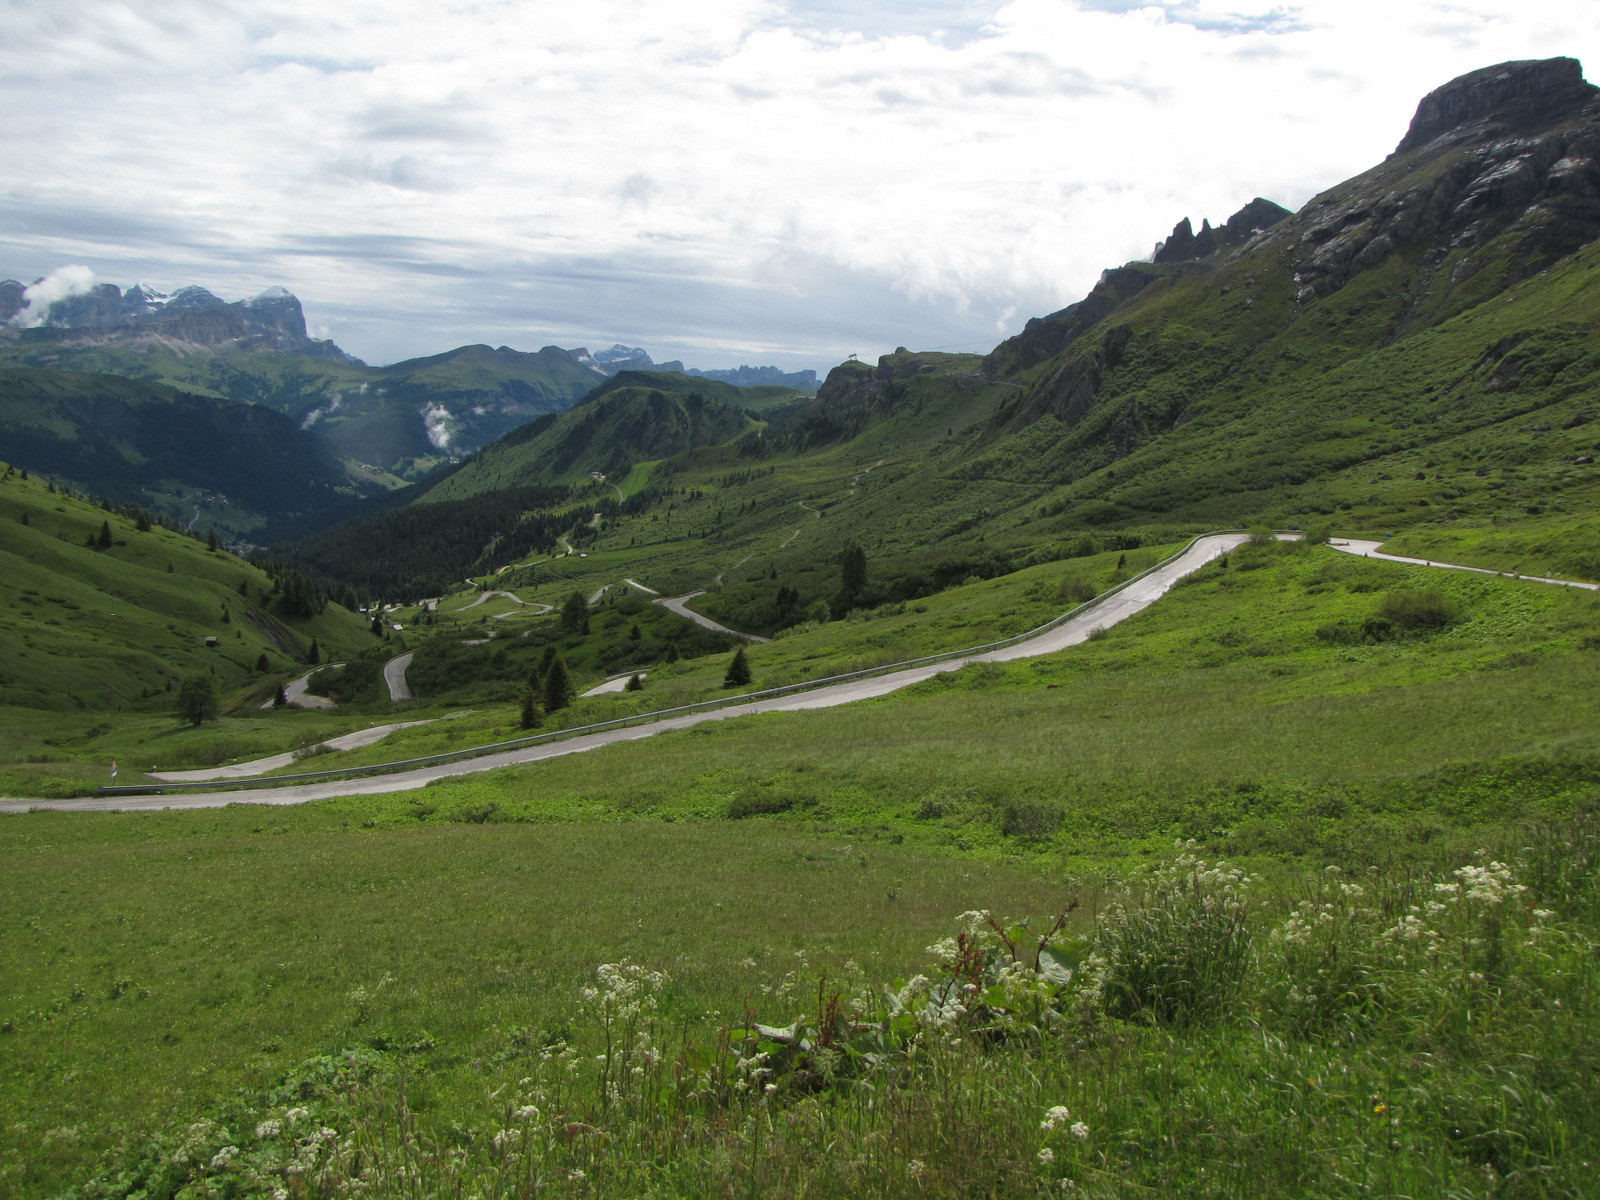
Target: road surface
(297, 695)
(260, 766)
(617, 684)
(394, 674)
(735, 567)
(1371, 550)
(1138, 595)
(677, 603)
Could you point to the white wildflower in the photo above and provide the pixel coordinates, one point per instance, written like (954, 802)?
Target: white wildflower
(1046, 1155)
(1079, 1130)
(1054, 1116)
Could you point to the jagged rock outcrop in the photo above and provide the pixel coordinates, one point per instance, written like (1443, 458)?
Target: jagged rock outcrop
(1529, 92)
(1185, 245)
(105, 314)
(1045, 337)
(1522, 147)
(1070, 390)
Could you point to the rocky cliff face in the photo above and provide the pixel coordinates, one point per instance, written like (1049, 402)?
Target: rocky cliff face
(1512, 95)
(1509, 152)
(194, 316)
(1498, 177)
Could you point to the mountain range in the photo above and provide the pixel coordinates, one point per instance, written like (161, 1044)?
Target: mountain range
(1415, 345)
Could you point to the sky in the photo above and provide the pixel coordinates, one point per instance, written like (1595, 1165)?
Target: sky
(721, 181)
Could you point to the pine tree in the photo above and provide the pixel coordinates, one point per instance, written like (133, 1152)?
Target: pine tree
(211, 538)
(105, 535)
(635, 683)
(672, 652)
(536, 679)
(280, 698)
(633, 633)
(197, 700)
(262, 664)
(226, 619)
(738, 670)
(314, 655)
(377, 625)
(532, 712)
(557, 685)
(852, 570)
(575, 614)
(25, 520)
(244, 588)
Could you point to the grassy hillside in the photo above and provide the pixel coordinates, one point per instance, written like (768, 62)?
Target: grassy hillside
(633, 417)
(97, 638)
(401, 419)
(181, 455)
(1220, 715)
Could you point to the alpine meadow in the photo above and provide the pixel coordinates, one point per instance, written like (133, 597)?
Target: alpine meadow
(1157, 756)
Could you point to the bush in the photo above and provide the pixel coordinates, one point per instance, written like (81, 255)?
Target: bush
(760, 804)
(1179, 956)
(1077, 591)
(1420, 611)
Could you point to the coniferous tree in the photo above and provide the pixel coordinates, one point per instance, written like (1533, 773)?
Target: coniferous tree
(314, 655)
(532, 715)
(635, 683)
(738, 670)
(557, 685)
(535, 679)
(262, 664)
(197, 700)
(377, 625)
(633, 633)
(105, 535)
(25, 520)
(672, 652)
(852, 570)
(575, 614)
(280, 698)
(211, 539)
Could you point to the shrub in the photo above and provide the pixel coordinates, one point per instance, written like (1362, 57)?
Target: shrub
(1030, 818)
(1177, 955)
(760, 803)
(1078, 591)
(1419, 611)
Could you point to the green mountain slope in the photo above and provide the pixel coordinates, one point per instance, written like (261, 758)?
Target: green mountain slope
(400, 419)
(635, 416)
(113, 627)
(190, 458)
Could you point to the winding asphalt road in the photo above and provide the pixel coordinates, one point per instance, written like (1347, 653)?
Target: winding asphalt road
(1138, 595)
(394, 674)
(677, 605)
(1135, 597)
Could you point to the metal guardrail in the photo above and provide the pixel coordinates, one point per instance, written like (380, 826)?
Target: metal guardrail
(270, 781)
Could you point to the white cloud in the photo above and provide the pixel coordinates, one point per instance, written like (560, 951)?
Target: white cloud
(720, 181)
(57, 285)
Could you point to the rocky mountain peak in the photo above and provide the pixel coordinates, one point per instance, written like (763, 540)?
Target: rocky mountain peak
(1528, 92)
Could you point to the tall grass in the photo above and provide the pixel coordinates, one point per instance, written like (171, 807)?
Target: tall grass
(1206, 1034)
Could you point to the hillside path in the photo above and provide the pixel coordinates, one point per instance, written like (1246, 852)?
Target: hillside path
(260, 766)
(1134, 598)
(298, 697)
(677, 604)
(1368, 549)
(617, 683)
(394, 674)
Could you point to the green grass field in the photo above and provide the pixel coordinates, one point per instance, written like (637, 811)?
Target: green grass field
(447, 934)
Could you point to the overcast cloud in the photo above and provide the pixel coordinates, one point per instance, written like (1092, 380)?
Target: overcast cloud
(723, 181)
